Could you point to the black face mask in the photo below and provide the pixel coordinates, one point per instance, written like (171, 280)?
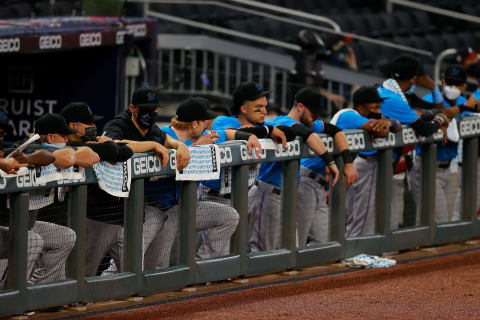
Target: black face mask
(374, 115)
(90, 134)
(146, 118)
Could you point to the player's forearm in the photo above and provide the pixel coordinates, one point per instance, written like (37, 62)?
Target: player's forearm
(340, 141)
(316, 144)
(40, 158)
(64, 158)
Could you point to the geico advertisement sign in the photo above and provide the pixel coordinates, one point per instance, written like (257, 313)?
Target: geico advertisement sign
(148, 164)
(50, 42)
(90, 39)
(29, 180)
(10, 45)
(356, 141)
(292, 149)
(470, 127)
(409, 136)
(137, 30)
(384, 142)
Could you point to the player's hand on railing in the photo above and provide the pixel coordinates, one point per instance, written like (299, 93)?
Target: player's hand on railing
(381, 127)
(253, 142)
(101, 139)
(162, 154)
(279, 136)
(208, 138)
(183, 156)
(11, 165)
(350, 174)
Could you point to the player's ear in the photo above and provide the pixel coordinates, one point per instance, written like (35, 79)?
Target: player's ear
(243, 109)
(131, 108)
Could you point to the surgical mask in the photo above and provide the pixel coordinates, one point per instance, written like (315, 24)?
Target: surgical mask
(451, 92)
(270, 118)
(90, 134)
(411, 90)
(54, 146)
(374, 115)
(146, 118)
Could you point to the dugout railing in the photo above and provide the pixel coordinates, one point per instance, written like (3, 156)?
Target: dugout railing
(20, 297)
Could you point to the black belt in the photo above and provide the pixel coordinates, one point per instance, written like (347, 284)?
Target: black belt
(275, 190)
(444, 165)
(215, 193)
(318, 178)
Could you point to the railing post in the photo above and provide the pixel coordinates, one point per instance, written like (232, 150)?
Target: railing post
(383, 192)
(18, 242)
(469, 179)
(427, 188)
(337, 213)
(240, 203)
(188, 217)
(289, 208)
(134, 232)
(78, 221)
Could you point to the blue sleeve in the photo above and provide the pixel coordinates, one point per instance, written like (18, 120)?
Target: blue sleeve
(428, 98)
(222, 136)
(351, 120)
(224, 122)
(461, 100)
(285, 120)
(317, 126)
(395, 108)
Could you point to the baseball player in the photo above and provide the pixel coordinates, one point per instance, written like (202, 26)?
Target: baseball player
(264, 199)
(366, 115)
(216, 221)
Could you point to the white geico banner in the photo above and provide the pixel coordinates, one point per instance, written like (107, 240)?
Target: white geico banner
(114, 179)
(204, 164)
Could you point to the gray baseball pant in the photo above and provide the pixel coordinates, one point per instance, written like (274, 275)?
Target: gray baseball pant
(265, 218)
(442, 181)
(312, 210)
(457, 211)
(34, 248)
(360, 206)
(58, 242)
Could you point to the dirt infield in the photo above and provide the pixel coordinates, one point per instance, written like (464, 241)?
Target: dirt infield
(441, 288)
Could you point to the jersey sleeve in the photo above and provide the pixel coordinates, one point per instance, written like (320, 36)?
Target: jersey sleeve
(224, 122)
(114, 131)
(351, 120)
(318, 126)
(428, 98)
(395, 108)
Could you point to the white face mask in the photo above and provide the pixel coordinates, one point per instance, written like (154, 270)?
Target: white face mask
(451, 92)
(411, 90)
(54, 146)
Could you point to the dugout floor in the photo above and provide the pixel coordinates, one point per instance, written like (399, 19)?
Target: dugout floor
(295, 295)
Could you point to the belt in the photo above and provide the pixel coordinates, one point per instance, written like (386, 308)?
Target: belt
(215, 193)
(318, 178)
(365, 157)
(275, 190)
(444, 165)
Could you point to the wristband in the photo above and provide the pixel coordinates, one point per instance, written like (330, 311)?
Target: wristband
(394, 124)
(269, 130)
(347, 156)
(327, 157)
(437, 95)
(240, 135)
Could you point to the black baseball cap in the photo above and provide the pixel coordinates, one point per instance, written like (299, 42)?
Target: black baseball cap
(405, 67)
(247, 91)
(52, 123)
(312, 99)
(4, 124)
(145, 97)
(366, 94)
(79, 112)
(455, 75)
(194, 109)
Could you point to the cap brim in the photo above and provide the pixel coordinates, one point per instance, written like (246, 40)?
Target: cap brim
(211, 115)
(96, 118)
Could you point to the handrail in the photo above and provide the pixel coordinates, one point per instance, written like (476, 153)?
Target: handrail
(438, 63)
(283, 19)
(428, 8)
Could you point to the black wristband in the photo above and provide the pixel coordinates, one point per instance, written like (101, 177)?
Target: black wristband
(240, 135)
(347, 156)
(327, 157)
(270, 129)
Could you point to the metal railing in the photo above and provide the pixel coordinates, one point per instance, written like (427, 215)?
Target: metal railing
(20, 297)
(432, 9)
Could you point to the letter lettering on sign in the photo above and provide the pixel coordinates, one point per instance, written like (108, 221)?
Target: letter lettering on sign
(50, 42)
(90, 39)
(9, 45)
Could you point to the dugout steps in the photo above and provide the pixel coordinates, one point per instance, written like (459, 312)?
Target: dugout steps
(235, 285)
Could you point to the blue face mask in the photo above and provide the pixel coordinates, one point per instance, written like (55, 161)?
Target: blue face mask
(54, 146)
(411, 90)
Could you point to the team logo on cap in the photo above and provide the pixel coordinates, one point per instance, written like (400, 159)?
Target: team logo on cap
(151, 96)
(259, 87)
(89, 110)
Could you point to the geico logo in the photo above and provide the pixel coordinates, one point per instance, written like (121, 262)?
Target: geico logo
(384, 142)
(409, 136)
(10, 45)
(138, 30)
(50, 42)
(28, 180)
(90, 39)
(328, 142)
(245, 155)
(292, 149)
(119, 37)
(356, 141)
(146, 165)
(470, 127)
(173, 161)
(225, 155)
